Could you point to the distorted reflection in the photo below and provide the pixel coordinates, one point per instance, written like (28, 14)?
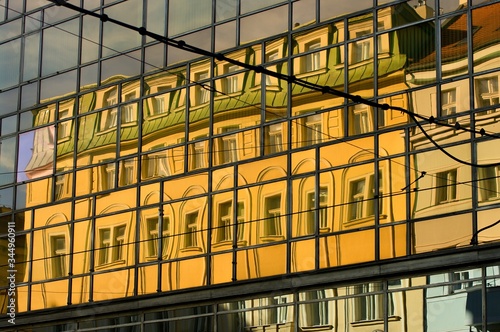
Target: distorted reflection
(209, 173)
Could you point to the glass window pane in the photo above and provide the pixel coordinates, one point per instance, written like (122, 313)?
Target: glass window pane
(225, 9)
(90, 40)
(330, 9)
(484, 40)
(10, 30)
(8, 100)
(60, 47)
(10, 58)
(7, 151)
(265, 24)
(58, 85)
(251, 5)
(156, 16)
(117, 38)
(31, 56)
(304, 12)
(187, 15)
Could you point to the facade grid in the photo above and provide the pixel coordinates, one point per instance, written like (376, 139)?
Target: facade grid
(151, 188)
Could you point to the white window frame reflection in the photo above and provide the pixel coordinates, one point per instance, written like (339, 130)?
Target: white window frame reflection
(156, 165)
(446, 184)
(274, 138)
(316, 215)
(361, 119)
(228, 145)
(489, 183)
(230, 83)
(107, 176)
(198, 155)
(109, 117)
(201, 89)
(224, 231)
(449, 103)
(60, 186)
(487, 92)
(273, 227)
(161, 102)
(58, 253)
(153, 240)
(314, 62)
(316, 312)
(369, 305)
(312, 130)
(111, 244)
(487, 96)
(127, 172)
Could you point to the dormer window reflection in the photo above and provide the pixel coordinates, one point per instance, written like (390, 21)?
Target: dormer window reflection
(109, 118)
(314, 61)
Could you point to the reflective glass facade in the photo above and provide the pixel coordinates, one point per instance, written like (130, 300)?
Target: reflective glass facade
(147, 188)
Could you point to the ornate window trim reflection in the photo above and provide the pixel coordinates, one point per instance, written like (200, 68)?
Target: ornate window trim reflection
(200, 90)
(65, 122)
(110, 248)
(198, 155)
(489, 183)
(62, 185)
(275, 138)
(128, 172)
(487, 96)
(109, 117)
(313, 62)
(59, 245)
(191, 225)
(155, 238)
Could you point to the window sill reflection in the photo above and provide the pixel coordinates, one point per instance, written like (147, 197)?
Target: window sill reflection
(377, 321)
(111, 264)
(316, 328)
(271, 238)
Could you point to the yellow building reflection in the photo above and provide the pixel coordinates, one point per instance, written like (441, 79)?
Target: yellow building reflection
(210, 174)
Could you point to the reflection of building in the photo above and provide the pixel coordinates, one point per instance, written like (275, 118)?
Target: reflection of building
(450, 102)
(7, 254)
(208, 197)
